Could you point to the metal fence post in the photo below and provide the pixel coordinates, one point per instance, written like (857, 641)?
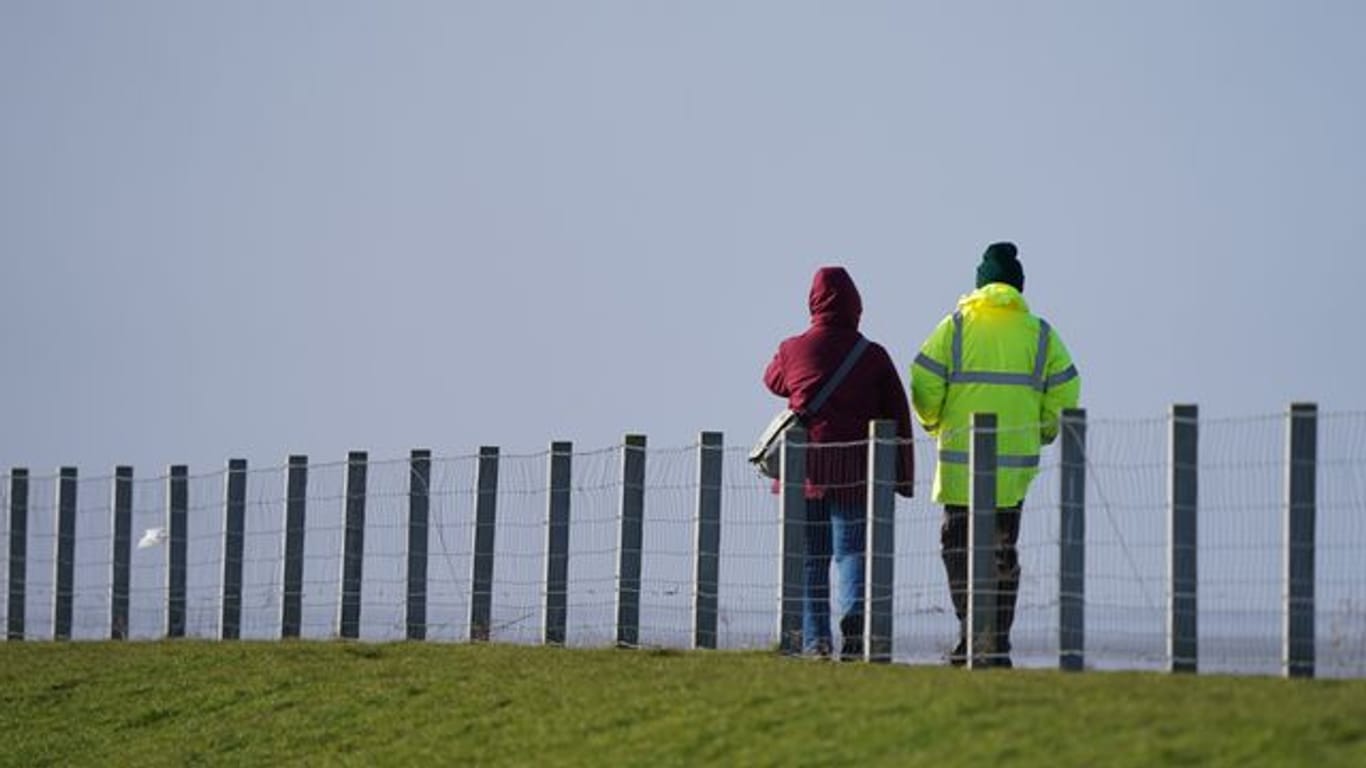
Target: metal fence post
(629, 541)
(1182, 635)
(881, 554)
(982, 581)
(792, 501)
(65, 561)
(234, 531)
(1300, 513)
(708, 571)
(296, 503)
(122, 554)
(557, 543)
(419, 507)
(1072, 543)
(353, 546)
(18, 552)
(485, 526)
(177, 513)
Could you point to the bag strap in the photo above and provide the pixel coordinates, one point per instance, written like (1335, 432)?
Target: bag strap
(837, 376)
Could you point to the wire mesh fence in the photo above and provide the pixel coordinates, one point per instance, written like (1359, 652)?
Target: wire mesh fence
(1242, 583)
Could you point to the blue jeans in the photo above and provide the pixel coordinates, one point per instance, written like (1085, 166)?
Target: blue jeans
(833, 528)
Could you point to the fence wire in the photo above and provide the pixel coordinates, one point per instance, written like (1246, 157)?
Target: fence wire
(1241, 535)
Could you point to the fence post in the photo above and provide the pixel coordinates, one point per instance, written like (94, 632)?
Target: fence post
(296, 509)
(1182, 636)
(177, 513)
(557, 543)
(630, 540)
(18, 552)
(982, 581)
(485, 525)
(234, 531)
(882, 468)
(1072, 543)
(122, 555)
(708, 572)
(353, 546)
(1300, 512)
(65, 561)
(792, 558)
(419, 505)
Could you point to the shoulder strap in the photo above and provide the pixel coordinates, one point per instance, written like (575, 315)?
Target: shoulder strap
(837, 376)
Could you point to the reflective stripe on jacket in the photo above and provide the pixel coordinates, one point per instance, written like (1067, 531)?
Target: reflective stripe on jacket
(992, 356)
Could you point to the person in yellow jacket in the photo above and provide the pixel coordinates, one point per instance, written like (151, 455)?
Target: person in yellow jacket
(991, 355)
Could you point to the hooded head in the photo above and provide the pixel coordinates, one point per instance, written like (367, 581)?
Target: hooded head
(834, 300)
(1000, 265)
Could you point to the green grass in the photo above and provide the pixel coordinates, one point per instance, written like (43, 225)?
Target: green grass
(193, 703)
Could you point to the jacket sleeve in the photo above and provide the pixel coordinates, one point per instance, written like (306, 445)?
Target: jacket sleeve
(775, 378)
(1062, 387)
(895, 407)
(929, 376)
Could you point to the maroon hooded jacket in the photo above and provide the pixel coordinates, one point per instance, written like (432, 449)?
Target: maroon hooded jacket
(871, 390)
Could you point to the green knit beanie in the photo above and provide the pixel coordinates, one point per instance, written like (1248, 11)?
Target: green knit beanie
(999, 265)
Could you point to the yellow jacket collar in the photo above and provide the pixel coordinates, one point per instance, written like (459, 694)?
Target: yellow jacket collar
(993, 296)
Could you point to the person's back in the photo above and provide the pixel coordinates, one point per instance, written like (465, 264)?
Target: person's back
(992, 355)
(872, 389)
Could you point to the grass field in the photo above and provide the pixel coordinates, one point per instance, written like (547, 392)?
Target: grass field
(307, 703)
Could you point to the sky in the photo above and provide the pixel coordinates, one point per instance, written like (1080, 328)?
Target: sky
(250, 229)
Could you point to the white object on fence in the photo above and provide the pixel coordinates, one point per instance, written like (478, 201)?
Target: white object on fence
(152, 537)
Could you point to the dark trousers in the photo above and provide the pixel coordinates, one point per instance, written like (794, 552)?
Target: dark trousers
(953, 540)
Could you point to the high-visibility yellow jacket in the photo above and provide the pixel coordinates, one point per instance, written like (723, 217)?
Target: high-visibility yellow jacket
(992, 355)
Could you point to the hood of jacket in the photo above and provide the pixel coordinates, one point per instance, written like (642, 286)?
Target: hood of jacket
(834, 300)
(993, 297)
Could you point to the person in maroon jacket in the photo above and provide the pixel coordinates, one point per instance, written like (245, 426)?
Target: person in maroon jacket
(837, 454)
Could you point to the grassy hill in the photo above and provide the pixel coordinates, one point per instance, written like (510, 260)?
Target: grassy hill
(310, 703)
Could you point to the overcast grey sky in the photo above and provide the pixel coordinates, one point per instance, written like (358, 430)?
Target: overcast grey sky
(255, 228)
